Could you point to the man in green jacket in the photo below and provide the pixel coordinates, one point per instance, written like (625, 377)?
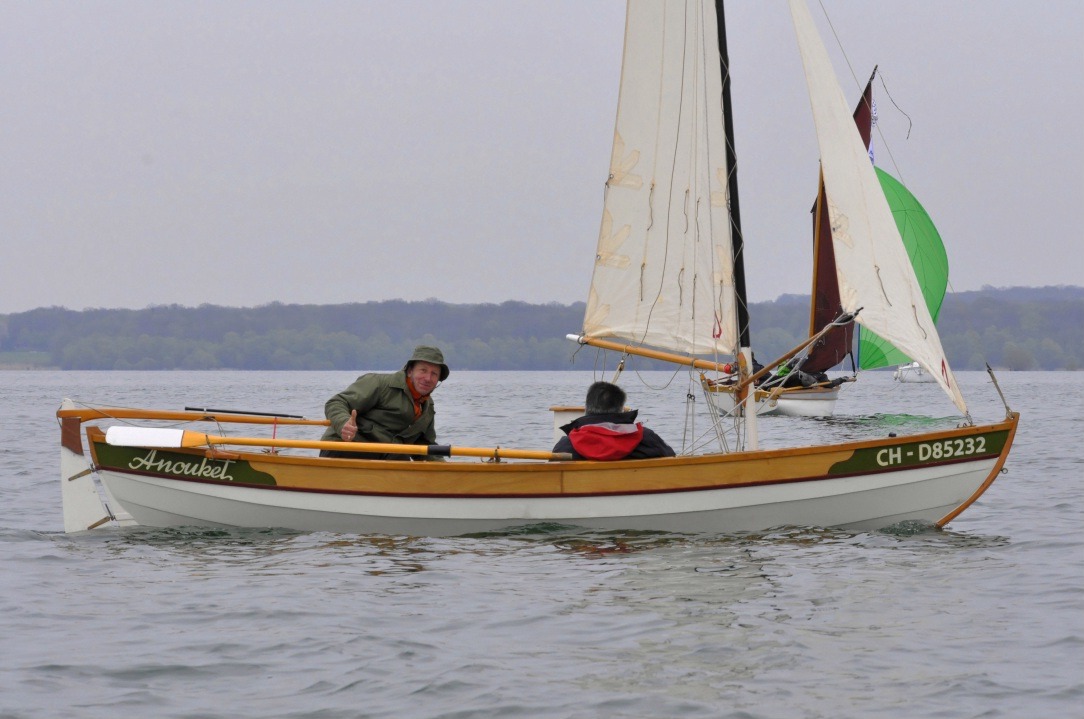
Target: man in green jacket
(388, 408)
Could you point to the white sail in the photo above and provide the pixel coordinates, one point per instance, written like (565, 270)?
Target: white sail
(874, 271)
(663, 272)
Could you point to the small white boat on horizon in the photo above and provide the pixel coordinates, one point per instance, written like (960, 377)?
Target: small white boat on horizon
(913, 372)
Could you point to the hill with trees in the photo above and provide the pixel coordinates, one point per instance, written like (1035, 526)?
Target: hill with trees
(1013, 328)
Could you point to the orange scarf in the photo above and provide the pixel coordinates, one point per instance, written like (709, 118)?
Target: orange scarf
(418, 397)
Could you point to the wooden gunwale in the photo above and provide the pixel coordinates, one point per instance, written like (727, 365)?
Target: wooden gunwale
(509, 479)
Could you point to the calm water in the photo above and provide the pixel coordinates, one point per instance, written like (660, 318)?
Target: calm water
(983, 619)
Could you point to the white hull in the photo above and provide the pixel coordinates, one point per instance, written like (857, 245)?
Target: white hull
(83, 506)
(818, 402)
(861, 502)
(913, 372)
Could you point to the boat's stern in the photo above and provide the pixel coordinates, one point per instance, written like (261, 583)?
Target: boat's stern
(84, 506)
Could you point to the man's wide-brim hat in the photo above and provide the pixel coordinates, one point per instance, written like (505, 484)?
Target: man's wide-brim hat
(431, 355)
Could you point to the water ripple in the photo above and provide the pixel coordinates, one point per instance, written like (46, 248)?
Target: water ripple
(983, 619)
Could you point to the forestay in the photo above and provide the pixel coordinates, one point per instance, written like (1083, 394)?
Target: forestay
(663, 272)
(872, 266)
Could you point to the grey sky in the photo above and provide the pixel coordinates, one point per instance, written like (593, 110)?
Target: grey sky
(240, 153)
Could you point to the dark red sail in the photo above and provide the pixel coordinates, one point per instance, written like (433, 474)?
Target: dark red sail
(834, 347)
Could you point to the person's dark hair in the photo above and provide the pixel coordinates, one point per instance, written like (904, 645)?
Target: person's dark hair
(604, 398)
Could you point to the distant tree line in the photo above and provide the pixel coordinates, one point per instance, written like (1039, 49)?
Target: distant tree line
(1015, 328)
(1019, 328)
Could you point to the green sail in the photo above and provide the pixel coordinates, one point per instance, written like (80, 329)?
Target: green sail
(928, 257)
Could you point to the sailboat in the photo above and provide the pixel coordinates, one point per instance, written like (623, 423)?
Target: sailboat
(668, 282)
(912, 372)
(800, 387)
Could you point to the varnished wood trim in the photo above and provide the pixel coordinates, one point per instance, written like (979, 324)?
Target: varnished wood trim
(70, 438)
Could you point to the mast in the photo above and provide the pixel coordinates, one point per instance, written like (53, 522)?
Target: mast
(747, 391)
(737, 241)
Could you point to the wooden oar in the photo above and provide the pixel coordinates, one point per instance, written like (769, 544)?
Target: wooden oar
(206, 410)
(166, 438)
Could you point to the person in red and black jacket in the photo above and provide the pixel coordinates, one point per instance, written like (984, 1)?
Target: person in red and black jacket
(608, 432)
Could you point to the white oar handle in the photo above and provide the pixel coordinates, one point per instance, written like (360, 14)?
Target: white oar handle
(144, 437)
(121, 436)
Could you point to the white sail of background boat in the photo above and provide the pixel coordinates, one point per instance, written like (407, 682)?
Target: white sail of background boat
(800, 387)
(864, 232)
(930, 262)
(668, 282)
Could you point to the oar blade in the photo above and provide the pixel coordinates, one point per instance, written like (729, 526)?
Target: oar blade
(120, 436)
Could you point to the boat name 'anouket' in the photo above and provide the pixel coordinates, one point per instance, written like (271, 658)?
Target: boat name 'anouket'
(211, 469)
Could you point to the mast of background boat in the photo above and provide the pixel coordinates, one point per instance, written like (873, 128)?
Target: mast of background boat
(745, 352)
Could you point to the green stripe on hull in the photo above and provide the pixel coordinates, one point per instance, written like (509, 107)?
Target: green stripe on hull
(921, 453)
(163, 463)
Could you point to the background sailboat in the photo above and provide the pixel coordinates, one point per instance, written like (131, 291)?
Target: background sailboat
(800, 388)
(809, 392)
(928, 259)
(875, 275)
